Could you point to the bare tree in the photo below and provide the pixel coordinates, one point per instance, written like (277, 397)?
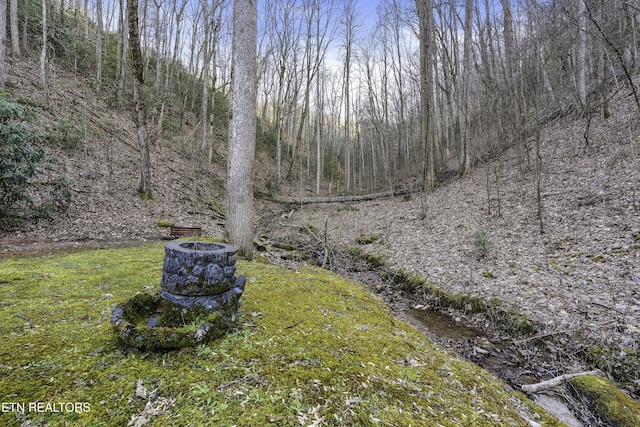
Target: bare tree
(178, 11)
(15, 31)
(99, 29)
(43, 51)
(283, 35)
(3, 38)
(242, 128)
(121, 51)
(397, 64)
(157, 22)
(140, 110)
(465, 164)
(206, 61)
(425, 17)
(349, 19)
(582, 52)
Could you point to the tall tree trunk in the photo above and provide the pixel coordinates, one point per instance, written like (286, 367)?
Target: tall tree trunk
(515, 108)
(15, 31)
(43, 52)
(3, 38)
(86, 19)
(177, 41)
(99, 28)
(349, 22)
(122, 51)
(206, 59)
(214, 74)
(25, 25)
(242, 128)
(309, 74)
(582, 49)
(140, 111)
(319, 111)
(425, 17)
(158, 40)
(399, 78)
(465, 164)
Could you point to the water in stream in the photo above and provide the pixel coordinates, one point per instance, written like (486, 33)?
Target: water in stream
(495, 357)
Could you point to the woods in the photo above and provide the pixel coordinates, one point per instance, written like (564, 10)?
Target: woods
(354, 99)
(349, 99)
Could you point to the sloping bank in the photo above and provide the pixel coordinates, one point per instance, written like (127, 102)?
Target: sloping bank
(313, 349)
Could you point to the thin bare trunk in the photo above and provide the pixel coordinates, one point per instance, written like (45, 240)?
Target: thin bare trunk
(205, 73)
(140, 111)
(15, 31)
(465, 164)
(3, 38)
(99, 28)
(582, 50)
(43, 51)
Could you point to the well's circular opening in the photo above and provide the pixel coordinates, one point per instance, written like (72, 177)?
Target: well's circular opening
(198, 268)
(202, 246)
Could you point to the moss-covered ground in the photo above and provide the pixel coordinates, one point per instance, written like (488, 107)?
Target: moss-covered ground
(312, 349)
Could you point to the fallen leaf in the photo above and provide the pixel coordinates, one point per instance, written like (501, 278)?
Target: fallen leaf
(141, 392)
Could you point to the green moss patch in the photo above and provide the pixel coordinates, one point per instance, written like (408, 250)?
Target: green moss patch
(164, 223)
(149, 322)
(312, 349)
(374, 261)
(367, 239)
(611, 404)
(622, 364)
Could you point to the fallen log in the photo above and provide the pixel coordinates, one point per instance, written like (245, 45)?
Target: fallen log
(335, 199)
(554, 382)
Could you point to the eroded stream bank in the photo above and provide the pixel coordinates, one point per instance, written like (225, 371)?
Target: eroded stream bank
(496, 355)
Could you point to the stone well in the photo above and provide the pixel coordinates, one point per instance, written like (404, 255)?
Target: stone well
(198, 301)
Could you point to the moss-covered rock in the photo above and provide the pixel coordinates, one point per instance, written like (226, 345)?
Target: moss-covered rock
(608, 401)
(164, 223)
(367, 239)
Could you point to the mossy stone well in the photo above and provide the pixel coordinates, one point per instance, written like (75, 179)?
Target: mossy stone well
(198, 301)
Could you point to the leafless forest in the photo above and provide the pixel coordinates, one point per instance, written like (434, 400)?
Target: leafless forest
(356, 97)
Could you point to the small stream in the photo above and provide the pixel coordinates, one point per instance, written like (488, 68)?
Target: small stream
(493, 354)
(441, 324)
(496, 357)
(491, 350)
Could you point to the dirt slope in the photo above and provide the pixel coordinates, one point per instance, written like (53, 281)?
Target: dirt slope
(104, 169)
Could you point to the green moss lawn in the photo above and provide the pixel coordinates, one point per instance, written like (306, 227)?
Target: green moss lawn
(313, 349)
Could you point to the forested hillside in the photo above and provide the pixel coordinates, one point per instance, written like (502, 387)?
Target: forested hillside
(352, 97)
